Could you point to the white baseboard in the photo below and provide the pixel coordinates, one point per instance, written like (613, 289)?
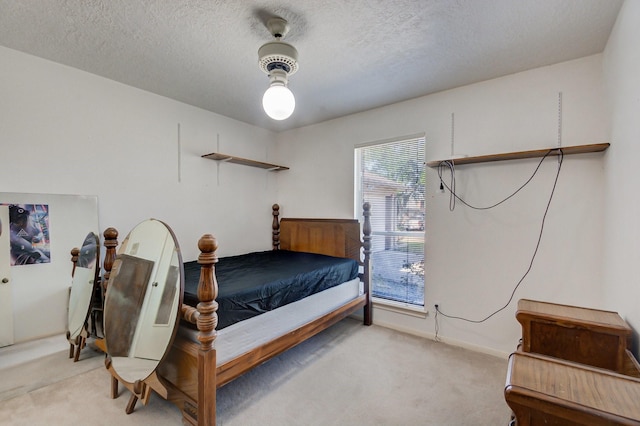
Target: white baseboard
(446, 340)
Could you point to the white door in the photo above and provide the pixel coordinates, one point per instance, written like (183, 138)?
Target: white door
(6, 302)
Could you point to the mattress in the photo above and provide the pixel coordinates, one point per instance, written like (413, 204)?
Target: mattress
(255, 283)
(244, 336)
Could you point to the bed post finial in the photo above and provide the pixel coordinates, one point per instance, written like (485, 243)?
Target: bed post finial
(110, 242)
(75, 252)
(207, 322)
(275, 211)
(366, 245)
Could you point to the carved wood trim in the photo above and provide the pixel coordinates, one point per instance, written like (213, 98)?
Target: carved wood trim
(75, 253)
(366, 251)
(189, 313)
(275, 226)
(110, 242)
(207, 322)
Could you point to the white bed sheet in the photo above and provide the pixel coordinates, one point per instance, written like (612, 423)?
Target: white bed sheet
(241, 337)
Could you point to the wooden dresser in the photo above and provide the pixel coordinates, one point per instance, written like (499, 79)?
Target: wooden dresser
(588, 336)
(572, 367)
(542, 390)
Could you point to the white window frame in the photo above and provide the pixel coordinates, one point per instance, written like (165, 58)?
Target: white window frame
(382, 303)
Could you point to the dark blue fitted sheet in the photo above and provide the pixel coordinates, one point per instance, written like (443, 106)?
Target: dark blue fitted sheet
(254, 283)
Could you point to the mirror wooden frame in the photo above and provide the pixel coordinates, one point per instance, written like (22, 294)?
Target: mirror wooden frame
(142, 309)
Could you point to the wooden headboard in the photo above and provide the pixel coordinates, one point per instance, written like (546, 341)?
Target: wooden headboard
(332, 237)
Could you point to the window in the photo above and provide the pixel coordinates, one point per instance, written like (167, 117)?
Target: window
(390, 176)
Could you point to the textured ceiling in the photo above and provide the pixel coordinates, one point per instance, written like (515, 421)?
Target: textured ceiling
(353, 55)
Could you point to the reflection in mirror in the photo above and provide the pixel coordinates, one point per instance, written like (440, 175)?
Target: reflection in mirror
(83, 286)
(143, 301)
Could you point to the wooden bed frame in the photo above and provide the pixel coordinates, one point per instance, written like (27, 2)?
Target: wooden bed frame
(189, 376)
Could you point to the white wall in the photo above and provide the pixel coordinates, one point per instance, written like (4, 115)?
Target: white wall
(622, 207)
(475, 259)
(65, 131)
(40, 292)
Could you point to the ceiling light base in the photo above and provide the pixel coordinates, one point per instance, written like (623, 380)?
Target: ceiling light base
(278, 27)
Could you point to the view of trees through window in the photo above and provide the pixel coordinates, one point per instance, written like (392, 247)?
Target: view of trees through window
(391, 177)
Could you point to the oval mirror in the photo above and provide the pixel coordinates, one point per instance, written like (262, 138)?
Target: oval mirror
(143, 299)
(85, 278)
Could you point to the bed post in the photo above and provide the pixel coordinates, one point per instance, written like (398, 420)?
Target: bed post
(207, 322)
(366, 245)
(75, 252)
(275, 226)
(110, 242)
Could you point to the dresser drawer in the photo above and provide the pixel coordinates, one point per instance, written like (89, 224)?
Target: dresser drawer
(587, 336)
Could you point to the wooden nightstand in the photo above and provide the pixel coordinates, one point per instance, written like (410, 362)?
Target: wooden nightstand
(587, 336)
(542, 390)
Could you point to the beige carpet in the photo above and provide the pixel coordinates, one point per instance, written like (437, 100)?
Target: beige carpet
(46, 370)
(347, 375)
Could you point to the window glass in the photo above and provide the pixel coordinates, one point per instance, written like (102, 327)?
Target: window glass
(391, 177)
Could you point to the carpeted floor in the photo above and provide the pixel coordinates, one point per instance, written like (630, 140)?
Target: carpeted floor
(16, 380)
(347, 375)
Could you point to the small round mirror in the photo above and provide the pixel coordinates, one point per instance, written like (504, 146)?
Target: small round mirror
(143, 299)
(85, 278)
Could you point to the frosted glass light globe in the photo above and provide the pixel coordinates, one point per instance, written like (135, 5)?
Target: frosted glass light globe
(278, 102)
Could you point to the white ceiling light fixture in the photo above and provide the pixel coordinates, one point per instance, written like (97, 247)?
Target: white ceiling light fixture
(279, 60)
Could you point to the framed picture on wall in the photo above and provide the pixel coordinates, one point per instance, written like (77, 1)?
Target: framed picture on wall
(29, 234)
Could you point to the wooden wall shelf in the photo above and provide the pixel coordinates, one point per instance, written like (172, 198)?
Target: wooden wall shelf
(567, 150)
(244, 161)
